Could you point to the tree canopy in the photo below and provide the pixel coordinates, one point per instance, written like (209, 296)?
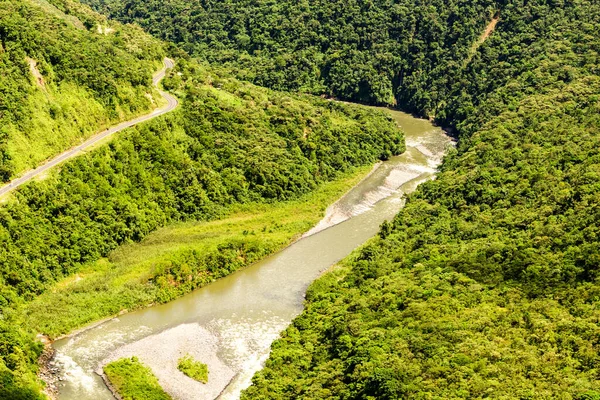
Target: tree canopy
(229, 143)
(63, 79)
(485, 285)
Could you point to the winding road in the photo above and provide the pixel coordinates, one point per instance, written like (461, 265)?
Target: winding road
(172, 103)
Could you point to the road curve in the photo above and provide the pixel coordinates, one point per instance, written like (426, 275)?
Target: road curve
(171, 105)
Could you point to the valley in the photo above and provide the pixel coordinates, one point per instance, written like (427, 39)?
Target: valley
(230, 323)
(279, 227)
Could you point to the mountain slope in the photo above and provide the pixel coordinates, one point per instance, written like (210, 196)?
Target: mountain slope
(64, 79)
(380, 52)
(487, 284)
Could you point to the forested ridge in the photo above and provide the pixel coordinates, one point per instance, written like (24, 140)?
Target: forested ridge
(65, 72)
(193, 164)
(417, 54)
(486, 285)
(379, 52)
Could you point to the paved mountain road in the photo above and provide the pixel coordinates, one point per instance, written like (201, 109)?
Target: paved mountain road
(171, 105)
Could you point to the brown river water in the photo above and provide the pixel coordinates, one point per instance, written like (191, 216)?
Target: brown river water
(231, 323)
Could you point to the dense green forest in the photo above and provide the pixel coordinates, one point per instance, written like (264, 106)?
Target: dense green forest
(229, 143)
(62, 79)
(487, 284)
(484, 286)
(380, 52)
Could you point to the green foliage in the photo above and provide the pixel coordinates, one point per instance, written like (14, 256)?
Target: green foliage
(133, 380)
(190, 165)
(61, 82)
(589, 396)
(230, 143)
(380, 51)
(177, 259)
(420, 55)
(422, 333)
(486, 285)
(194, 369)
(18, 366)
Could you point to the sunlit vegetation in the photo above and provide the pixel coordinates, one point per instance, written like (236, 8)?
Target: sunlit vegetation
(486, 285)
(194, 369)
(381, 52)
(132, 380)
(230, 144)
(178, 259)
(191, 165)
(62, 80)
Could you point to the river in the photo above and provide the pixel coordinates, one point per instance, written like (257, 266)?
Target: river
(231, 323)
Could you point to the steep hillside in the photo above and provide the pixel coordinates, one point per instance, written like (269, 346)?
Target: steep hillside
(487, 284)
(379, 51)
(66, 73)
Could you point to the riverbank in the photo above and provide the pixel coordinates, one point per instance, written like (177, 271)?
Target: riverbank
(74, 305)
(244, 312)
(48, 372)
(139, 275)
(332, 215)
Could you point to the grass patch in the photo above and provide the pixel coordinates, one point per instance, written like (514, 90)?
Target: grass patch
(179, 258)
(194, 369)
(134, 381)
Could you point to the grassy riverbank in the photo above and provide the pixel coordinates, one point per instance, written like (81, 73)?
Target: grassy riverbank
(230, 147)
(178, 259)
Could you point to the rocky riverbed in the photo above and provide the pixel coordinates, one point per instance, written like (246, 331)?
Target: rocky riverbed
(162, 351)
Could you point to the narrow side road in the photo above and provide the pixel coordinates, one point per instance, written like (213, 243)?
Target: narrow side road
(172, 103)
